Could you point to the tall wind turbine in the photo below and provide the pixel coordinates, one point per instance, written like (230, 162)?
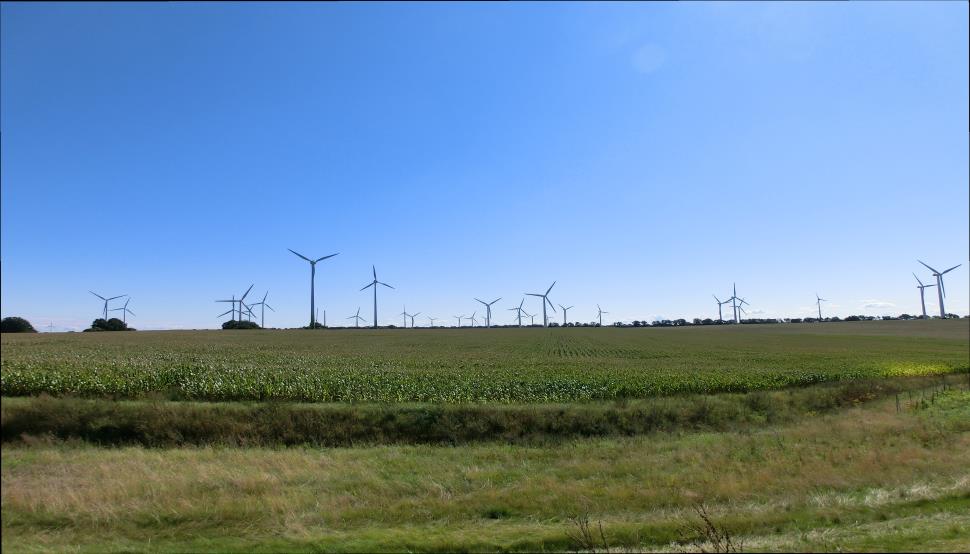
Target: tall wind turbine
(124, 310)
(488, 310)
(432, 320)
(374, 284)
(940, 289)
(564, 310)
(357, 319)
(532, 316)
(737, 307)
(600, 314)
(545, 300)
(818, 302)
(412, 316)
(922, 295)
(472, 318)
(518, 310)
(106, 300)
(313, 276)
(459, 318)
(405, 314)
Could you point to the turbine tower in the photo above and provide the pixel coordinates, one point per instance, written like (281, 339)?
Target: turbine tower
(922, 295)
(374, 284)
(106, 300)
(518, 310)
(488, 310)
(600, 314)
(545, 300)
(124, 310)
(940, 289)
(818, 302)
(357, 319)
(564, 310)
(313, 275)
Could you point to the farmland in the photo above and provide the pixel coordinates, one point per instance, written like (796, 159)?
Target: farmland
(850, 436)
(474, 365)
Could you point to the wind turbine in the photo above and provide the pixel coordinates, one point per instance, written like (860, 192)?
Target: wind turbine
(262, 310)
(431, 319)
(412, 316)
(600, 314)
(940, 289)
(518, 310)
(564, 310)
(357, 319)
(527, 314)
(472, 318)
(488, 310)
(545, 300)
(233, 303)
(405, 315)
(124, 310)
(374, 284)
(735, 305)
(313, 276)
(106, 300)
(922, 295)
(720, 318)
(818, 302)
(459, 318)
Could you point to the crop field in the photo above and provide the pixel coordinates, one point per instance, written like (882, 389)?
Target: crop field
(475, 365)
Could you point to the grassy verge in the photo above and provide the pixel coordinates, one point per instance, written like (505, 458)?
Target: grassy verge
(863, 478)
(171, 424)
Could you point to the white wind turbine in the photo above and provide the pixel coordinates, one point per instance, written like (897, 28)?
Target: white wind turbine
(124, 310)
(545, 300)
(488, 310)
(818, 302)
(600, 314)
(357, 319)
(374, 284)
(922, 295)
(518, 309)
(106, 300)
(313, 276)
(564, 310)
(940, 289)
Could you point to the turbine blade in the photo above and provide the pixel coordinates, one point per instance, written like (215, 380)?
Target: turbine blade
(325, 257)
(928, 267)
(550, 287)
(98, 295)
(119, 296)
(388, 286)
(917, 280)
(270, 307)
(374, 269)
(247, 292)
(300, 255)
(951, 269)
(533, 294)
(477, 300)
(368, 285)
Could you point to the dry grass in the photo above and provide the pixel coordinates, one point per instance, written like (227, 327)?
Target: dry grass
(856, 465)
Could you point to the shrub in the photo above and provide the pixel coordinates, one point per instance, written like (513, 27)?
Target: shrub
(16, 325)
(233, 324)
(113, 324)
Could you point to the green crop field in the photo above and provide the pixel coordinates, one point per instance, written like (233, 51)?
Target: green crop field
(475, 365)
(803, 437)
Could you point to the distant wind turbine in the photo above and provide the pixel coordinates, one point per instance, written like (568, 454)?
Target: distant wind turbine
(564, 310)
(922, 295)
(431, 319)
(518, 309)
(412, 316)
(234, 301)
(545, 300)
(940, 289)
(532, 316)
(720, 318)
(262, 310)
(818, 302)
(600, 314)
(736, 305)
(488, 310)
(374, 284)
(405, 315)
(459, 318)
(106, 300)
(313, 276)
(357, 319)
(124, 310)
(472, 318)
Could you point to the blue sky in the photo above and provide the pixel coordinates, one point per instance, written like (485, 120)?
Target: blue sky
(643, 155)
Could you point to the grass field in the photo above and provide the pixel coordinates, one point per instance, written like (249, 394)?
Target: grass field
(491, 439)
(475, 365)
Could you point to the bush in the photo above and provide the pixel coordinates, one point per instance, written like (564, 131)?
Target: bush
(16, 325)
(113, 324)
(233, 324)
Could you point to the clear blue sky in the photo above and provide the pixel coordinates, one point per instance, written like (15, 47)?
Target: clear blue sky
(643, 155)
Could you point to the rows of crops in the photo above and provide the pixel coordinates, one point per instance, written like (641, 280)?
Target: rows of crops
(533, 365)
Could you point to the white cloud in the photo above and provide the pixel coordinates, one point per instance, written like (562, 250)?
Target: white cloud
(877, 304)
